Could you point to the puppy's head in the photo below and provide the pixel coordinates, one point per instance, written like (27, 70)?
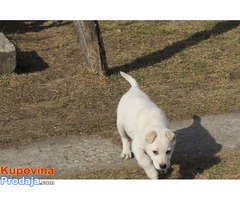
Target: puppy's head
(160, 147)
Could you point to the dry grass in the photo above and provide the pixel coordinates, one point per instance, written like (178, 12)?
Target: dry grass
(186, 67)
(223, 166)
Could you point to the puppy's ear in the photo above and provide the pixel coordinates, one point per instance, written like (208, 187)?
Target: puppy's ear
(151, 136)
(170, 135)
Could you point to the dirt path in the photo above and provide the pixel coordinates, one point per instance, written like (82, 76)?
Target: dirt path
(198, 136)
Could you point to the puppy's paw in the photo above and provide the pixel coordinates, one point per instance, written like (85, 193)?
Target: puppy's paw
(126, 155)
(152, 174)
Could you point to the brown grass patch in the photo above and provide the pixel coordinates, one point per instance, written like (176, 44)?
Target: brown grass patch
(225, 167)
(186, 67)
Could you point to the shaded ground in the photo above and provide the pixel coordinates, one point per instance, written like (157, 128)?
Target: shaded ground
(187, 67)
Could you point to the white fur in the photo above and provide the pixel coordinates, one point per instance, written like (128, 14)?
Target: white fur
(141, 122)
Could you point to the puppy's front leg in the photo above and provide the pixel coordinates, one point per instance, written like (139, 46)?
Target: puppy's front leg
(126, 152)
(145, 162)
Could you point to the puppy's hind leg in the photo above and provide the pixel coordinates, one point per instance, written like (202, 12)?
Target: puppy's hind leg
(126, 142)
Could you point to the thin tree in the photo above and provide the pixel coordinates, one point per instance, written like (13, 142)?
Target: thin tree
(91, 42)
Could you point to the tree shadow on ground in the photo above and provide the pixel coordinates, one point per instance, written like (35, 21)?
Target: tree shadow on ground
(29, 62)
(169, 51)
(9, 27)
(195, 150)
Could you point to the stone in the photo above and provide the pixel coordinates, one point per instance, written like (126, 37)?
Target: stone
(7, 56)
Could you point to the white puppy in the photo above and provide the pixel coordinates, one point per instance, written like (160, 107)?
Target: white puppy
(140, 120)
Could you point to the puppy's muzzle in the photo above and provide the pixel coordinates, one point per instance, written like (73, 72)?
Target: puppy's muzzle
(162, 169)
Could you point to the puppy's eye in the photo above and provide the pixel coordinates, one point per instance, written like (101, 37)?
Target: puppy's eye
(155, 152)
(168, 151)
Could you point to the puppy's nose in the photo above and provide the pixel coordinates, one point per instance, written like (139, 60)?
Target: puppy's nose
(163, 166)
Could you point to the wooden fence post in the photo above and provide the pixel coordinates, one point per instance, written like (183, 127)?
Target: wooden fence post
(91, 42)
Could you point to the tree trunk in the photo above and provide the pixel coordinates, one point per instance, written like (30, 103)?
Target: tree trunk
(91, 42)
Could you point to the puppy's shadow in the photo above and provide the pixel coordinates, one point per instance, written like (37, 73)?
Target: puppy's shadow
(195, 150)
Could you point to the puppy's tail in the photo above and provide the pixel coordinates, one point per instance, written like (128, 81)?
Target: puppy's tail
(130, 79)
